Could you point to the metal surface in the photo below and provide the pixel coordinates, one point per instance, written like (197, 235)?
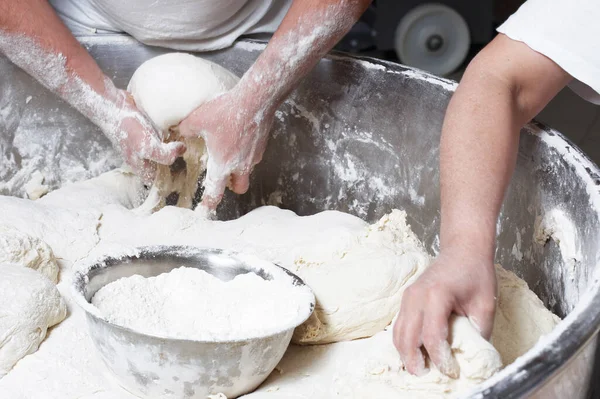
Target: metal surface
(362, 136)
(155, 367)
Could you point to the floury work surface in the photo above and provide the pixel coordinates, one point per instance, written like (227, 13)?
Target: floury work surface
(362, 136)
(357, 271)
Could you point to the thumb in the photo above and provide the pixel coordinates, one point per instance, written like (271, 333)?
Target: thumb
(240, 183)
(166, 154)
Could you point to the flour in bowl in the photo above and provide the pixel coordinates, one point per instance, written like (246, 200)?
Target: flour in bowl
(189, 303)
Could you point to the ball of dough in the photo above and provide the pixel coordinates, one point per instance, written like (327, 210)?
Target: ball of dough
(169, 87)
(359, 289)
(30, 304)
(23, 249)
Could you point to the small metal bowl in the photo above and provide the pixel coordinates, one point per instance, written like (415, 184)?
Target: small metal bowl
(158, 367)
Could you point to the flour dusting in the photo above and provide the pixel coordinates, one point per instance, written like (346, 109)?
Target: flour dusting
(189, 303)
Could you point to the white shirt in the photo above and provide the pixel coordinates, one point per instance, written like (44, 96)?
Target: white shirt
(190, 25)
(567, 32)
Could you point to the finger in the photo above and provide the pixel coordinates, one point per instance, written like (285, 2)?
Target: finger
(435, 336)
(481, 314)
(240, 183)
(214, 186)
(407, 339)
(166, 154)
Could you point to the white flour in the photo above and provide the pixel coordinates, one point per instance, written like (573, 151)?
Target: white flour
(189, 303)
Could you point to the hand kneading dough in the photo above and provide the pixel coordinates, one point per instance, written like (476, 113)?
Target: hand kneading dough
(371, 368)
(168, 88)
(30, 304)
(19, 248)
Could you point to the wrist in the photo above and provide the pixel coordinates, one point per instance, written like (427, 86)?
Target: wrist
(469, 244)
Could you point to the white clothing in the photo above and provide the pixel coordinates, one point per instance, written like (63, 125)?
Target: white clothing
(189, 25)
(567, 32)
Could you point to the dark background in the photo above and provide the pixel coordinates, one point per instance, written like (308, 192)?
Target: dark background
(374, 36)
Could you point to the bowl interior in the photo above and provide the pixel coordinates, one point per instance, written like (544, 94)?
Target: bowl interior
(155, 261)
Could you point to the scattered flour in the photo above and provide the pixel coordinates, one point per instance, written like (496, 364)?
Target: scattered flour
(189, 303)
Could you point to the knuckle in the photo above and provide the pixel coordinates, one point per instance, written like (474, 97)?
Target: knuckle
(432, 338)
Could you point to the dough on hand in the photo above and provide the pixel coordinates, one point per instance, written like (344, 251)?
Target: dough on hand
(23, 249)
(168, 88)
(30, 304)
(359, 289)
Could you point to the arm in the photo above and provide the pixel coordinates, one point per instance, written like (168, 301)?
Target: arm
(236, 125)
(33, 37)
(504, 87)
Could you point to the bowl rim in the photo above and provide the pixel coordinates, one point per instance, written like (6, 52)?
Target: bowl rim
(80, 280)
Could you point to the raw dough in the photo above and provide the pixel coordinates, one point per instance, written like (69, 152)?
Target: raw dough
(23, 249)
(35, 187)
(119, 186)
(370, 367)
(369, 266)
(65, 366)
(30, 304)
(521, 317)
(369, 277)
(71, 233)
(168, 88)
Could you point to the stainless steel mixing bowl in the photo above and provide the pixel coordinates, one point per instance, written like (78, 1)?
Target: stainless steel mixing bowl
(155, 367)
(362, 136)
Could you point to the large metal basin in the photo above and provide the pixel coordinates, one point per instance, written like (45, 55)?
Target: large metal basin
(362, 136)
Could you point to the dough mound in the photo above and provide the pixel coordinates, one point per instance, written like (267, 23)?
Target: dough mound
(521, 317)
(19, 248)
(371, 367)
(169, 87)
(30, 304)
(369, 276)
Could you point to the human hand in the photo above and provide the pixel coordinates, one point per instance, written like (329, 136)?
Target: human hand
(235, 130)
(139, 142)
(456, 282)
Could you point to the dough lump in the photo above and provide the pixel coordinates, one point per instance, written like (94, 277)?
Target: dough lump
(168, 88)
(17, 247)
(30, 304)
(359, 287)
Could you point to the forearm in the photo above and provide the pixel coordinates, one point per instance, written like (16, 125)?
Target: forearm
(310, 29)
(477, 156)
(35, 39)
(504, 88)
